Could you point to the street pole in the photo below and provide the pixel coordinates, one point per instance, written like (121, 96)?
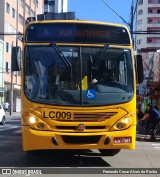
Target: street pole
(11, 93)
(132, 15)
(131, 23)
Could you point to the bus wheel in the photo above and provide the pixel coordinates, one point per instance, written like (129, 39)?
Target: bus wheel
(109, 152)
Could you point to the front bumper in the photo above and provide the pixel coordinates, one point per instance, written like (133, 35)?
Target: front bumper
(42, 140)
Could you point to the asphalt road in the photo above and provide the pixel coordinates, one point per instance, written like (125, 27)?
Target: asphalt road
(146, 155)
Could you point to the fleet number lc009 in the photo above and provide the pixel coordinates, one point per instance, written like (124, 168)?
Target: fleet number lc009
(52, 114)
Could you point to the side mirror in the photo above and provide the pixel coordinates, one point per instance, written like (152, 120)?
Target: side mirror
(16, 59)
(139, 69)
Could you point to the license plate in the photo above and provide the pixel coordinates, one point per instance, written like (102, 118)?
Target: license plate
(57, 114)
(122, 140)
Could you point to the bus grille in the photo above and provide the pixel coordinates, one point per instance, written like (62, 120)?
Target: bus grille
(92, 117)
(75, 127)
(81, 139)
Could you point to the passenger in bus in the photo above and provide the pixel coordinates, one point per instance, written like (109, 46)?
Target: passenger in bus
(54, 74)
(107, 76)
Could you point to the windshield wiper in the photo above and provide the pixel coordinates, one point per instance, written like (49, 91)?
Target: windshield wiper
(100, 56)
(54, 45)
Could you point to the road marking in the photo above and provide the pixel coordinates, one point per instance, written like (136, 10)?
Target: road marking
(19, 131)
(157, 144)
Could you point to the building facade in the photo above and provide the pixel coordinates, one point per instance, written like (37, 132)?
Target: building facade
(56, 6)
(2, 88)
(13, 15)
(148, 19)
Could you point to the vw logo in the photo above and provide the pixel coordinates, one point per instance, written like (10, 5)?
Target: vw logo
(81, 127)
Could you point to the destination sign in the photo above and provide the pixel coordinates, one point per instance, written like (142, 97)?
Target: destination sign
(77, 33)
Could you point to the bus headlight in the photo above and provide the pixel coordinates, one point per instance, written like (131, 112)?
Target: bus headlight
(35, 122)
(32, 120)
(123, 123)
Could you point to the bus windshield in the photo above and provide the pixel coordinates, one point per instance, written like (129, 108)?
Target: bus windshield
(78, 75)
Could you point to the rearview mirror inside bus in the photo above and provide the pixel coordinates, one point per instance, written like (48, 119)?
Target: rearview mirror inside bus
(16, 59)
(139, 69)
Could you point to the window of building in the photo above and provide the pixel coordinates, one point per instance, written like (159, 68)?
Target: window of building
(139, 22)
(51, 3)
(27, 9)
(37, 3)
(140, 12)
(139, 41)
(32, 13)
(140, 2)
(158, 11)
(158, 21)
(149, 40)
(49, 6)
(150, 1)
(7, 47)
(150, 11)
(45, 6)
(13, 13)
(149, 20)
(158, 1)
(20, 19)
(158, 41)
(21, 2)
(7, 8)
(6, 67)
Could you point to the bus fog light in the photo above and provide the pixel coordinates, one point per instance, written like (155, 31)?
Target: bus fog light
(120, 125)
(40, 125)
(32, 120)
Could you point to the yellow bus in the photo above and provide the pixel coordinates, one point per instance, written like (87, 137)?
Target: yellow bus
(78, 86)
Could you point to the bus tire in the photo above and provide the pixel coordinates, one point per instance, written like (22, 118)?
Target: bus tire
(109, 152)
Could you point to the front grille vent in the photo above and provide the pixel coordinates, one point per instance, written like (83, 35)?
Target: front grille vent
(75, 127)
(92, 117)
(81, 139)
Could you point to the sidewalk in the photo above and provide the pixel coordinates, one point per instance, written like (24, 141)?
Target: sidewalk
(13, 114)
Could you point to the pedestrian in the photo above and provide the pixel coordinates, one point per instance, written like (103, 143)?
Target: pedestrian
(6, 106)
(140, 114)
(152, 117)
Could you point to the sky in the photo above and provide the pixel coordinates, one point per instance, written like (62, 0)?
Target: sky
(96, 10)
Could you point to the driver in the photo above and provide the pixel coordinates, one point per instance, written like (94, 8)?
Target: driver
(107, 76)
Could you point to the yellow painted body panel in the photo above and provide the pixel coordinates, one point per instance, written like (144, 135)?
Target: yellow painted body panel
(33, 139)
(36, 139)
